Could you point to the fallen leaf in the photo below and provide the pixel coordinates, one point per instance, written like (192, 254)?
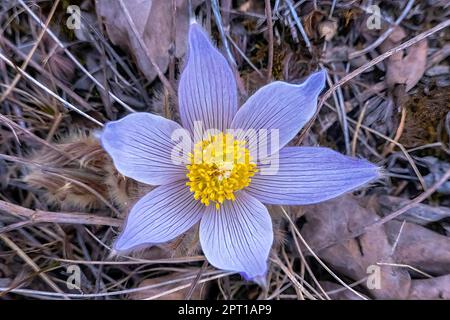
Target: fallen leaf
(420, 247)
(439, 70)
(405, 69)
(152, 22)
(311, 21)
(331, 221)
(431, 289)
(437, 169)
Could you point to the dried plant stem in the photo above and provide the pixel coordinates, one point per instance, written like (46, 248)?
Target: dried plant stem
(216, 11)
(299, 24)
(413, 202)
(358, 127)
(32, 264)
(317, 258)
(41, 216)
(398, 134)
(400, 265)
(196, 280)
(270, 33)
(30, 54)
(384, 56)
(299, 287)
(250, 63)
(49, 76)
(14, 126)
(135, 261)
(73, 58)
(402, 148)
(212, 276)
(305, 263)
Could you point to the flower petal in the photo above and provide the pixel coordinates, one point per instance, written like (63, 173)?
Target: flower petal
(309, 175)
(280, 106)
(142, 147)
(160, 216)
(207, 90)
(238, 236)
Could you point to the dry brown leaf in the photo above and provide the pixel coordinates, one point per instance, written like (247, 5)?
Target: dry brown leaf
(427, 289)
(311, 21)
(421, 248)
(152, 21)
(405, 69)
(330, 221)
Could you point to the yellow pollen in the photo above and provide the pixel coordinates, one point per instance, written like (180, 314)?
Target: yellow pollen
(219, 166)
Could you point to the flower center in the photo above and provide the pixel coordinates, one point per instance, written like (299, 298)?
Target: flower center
(219, 166)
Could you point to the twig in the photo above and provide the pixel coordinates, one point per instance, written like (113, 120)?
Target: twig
(217, 17)
(317, 258)
(196, 280)
(275, 259)
(384, 56)
(299, 25)
(305, 263)
(49, 76)
(270, 33)
(341, 111)
(41, 216)
(405, 266)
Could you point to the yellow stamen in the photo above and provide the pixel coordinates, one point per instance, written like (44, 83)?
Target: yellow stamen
(219, 166)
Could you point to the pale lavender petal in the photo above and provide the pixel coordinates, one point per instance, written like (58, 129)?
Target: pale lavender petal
(160, 216)
(280, 106)
(142, 147)
(309, 175)
(238, 236)
(207, 90)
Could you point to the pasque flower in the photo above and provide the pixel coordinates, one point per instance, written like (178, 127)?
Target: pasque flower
(226, 191)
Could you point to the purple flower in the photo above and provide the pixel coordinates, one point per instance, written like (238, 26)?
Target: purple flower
(226, 197)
